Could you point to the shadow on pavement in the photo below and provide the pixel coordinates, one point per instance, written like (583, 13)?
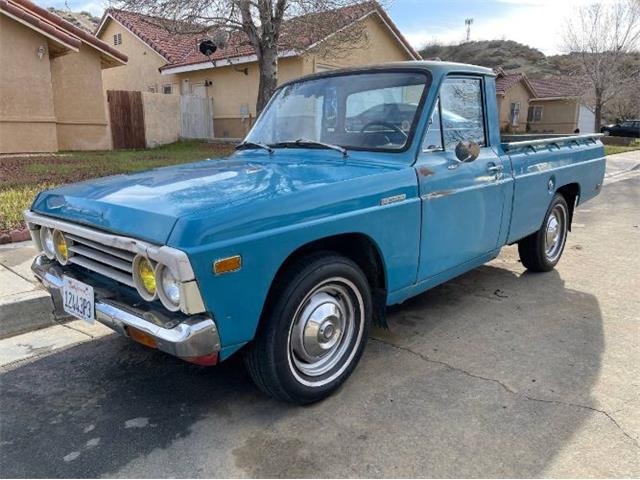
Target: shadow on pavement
(94, 408)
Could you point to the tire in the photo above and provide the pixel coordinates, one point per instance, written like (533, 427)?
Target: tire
(541, 251)
(313, 331)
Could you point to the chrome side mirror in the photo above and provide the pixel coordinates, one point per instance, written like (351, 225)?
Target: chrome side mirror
(467, 151)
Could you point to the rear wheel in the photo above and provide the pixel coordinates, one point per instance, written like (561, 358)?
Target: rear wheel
(314, 331)
(541, 251)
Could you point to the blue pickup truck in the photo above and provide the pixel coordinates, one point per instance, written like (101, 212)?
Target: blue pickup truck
(355, 189)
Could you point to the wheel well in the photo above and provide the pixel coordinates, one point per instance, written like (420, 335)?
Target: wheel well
(362, 250)
(570, 192)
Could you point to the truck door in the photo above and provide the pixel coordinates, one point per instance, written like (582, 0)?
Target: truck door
(462, 203)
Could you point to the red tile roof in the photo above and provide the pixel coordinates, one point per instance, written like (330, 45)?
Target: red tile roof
(179, 50)
(152, 31)
(504, 81)
(58, 28)
(556, 87)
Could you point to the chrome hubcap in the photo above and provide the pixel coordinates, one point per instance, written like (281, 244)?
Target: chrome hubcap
(325, 323)
(555, 233)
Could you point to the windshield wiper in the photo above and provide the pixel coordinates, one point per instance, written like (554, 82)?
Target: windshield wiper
(303, 142)
(245, 144)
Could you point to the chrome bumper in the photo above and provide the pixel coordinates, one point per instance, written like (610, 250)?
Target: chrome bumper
(193, 338)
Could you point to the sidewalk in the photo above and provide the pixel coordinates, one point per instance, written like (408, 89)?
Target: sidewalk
(27, 347)
(622, 165)
(24, 305)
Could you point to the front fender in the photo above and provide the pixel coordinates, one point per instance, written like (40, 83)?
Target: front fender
(236, 299)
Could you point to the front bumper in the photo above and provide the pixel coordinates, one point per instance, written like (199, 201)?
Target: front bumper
(193, 338)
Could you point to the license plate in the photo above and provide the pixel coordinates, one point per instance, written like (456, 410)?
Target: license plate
(78, 299)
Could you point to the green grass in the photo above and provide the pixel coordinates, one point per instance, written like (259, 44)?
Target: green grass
(613, 149)
(12, 203)
(22, 177)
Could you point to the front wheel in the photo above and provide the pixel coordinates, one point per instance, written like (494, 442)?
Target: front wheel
(313, 331)
(541, 251)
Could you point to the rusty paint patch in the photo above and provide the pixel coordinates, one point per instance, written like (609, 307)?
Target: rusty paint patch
(439, 193)
(426, 171)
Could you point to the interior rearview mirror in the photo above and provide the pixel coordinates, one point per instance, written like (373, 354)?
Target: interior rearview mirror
(467, 151)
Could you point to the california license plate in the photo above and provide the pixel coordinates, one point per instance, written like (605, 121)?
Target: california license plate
(78, 299)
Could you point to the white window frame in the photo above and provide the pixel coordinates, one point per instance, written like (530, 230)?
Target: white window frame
(117, 39)
(169, 87)
(514, 113)
(534, 109)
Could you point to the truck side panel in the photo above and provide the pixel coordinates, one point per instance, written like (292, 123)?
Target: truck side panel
(539, 174)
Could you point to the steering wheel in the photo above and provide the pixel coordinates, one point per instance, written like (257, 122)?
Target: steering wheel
(384, 124)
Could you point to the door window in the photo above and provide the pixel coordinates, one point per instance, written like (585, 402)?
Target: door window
(461, 112)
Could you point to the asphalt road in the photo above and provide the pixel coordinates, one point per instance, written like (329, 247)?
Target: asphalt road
(496, 373)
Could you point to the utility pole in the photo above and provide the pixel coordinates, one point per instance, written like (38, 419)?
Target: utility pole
(468, 22)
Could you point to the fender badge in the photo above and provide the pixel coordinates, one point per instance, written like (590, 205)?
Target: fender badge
(394, 199)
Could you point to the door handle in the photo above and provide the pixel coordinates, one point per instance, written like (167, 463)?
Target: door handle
(494, 169)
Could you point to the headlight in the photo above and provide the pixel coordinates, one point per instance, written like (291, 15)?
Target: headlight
(60, 247)
(48, 245)
(168, 288)
(144, 277)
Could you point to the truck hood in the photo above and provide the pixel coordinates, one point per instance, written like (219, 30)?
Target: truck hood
(147, 205)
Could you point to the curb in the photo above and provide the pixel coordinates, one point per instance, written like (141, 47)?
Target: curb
(14, 236)
(25, 312)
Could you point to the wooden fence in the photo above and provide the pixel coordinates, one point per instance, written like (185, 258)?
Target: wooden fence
(127, 119)
(146, 120)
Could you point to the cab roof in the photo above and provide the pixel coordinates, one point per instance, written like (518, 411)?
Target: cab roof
(436, 68)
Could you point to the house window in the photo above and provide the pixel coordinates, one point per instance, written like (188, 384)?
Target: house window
(152, 89)
(515, 113)
(117, 39)
(167, 89)
(535, 114)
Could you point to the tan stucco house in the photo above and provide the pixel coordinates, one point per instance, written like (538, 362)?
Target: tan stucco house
(163, 62)
(552, 105)
(51, 94)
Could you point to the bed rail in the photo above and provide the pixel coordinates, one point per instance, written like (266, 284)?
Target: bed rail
(584, 139)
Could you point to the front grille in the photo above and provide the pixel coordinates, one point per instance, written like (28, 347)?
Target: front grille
(111, 262)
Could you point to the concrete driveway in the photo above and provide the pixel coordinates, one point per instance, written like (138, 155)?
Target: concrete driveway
(498, 373)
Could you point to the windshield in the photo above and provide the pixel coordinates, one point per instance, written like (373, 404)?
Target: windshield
(366, 111)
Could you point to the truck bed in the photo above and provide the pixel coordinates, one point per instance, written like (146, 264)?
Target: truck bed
(541, 166)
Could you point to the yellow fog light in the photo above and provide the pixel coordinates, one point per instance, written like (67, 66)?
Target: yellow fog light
(144, 277)
(60, 246)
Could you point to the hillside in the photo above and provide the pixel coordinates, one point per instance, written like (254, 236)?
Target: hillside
(83, 20)
(507, 54)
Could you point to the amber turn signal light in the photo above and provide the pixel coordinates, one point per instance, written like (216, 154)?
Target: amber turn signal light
(226, 265)
(142, 337)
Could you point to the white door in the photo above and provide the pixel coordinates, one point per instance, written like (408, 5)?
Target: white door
(586, 120)
(199, 90)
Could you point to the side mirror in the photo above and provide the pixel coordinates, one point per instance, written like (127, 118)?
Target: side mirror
(467, 151)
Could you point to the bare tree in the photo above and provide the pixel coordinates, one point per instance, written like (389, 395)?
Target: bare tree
(599, 38)
(269, 26)
(625, 105)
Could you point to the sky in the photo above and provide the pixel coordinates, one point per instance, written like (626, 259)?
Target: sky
(537, 23)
